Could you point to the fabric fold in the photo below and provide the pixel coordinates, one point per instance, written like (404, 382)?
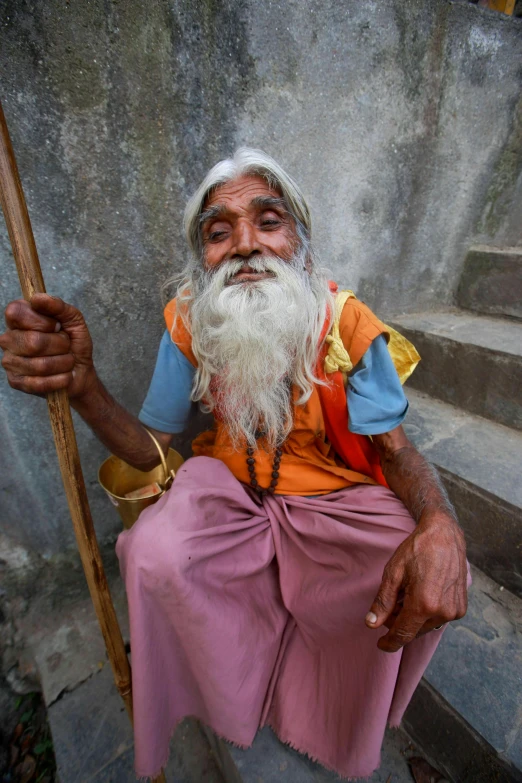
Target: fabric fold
(245, 612)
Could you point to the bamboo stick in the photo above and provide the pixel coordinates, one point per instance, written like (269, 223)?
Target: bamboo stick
(31, 281)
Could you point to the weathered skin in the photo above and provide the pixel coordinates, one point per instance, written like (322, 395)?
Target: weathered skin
(424, 583)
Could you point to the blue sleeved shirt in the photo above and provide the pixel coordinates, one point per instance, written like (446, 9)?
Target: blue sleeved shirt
(376, 401)
(167, 406)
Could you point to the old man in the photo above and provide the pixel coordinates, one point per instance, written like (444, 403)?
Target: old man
(300, 569)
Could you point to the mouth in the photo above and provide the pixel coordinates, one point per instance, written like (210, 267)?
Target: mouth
(247, 275)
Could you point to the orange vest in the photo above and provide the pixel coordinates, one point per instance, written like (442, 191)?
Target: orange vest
(320, 455)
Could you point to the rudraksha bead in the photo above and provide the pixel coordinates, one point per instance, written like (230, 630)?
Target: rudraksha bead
(251, 466)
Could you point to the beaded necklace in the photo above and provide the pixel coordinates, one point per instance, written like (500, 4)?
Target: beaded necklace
(251, 465)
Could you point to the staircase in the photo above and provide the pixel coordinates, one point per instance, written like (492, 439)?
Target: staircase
(466, 417)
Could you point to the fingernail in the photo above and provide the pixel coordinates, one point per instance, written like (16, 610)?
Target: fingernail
(58, 327)
(371, 618)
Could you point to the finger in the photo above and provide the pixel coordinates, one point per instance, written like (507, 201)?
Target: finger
(393, 615)
(433, 624)
(39, 385)
(386, 599)
(20, 315)
(40, 365)
(404, 630)
(56, 308)
(22, 343)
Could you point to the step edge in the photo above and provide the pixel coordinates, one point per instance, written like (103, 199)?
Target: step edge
(513, 324)
(463, 413)
(498, 563)
(477, 743)
(505, 606)
(467, 419)
(515, 250)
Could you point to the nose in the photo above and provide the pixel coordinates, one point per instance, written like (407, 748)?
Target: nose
(246, 241)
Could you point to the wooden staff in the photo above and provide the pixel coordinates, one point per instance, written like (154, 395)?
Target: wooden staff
(31, 280)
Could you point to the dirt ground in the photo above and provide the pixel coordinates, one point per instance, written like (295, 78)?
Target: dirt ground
(26, 748)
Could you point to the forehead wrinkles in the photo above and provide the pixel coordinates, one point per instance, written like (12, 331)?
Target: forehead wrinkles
(244, 189)
(217, 211)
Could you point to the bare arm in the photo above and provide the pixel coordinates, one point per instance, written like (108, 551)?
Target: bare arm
(424, 583)
(411, 477)
(121, 432)
(47, 346)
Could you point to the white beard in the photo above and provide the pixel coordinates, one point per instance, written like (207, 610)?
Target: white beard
(253, 341)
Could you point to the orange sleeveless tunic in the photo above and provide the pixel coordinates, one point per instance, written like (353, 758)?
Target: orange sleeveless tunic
(309, 464)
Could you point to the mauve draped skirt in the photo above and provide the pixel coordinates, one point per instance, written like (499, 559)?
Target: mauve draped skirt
(246, 612)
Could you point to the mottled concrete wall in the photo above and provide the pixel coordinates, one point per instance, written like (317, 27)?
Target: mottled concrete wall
(399, 119)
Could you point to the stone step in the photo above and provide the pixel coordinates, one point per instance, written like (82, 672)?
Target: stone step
(269, 761)
(467, 711)
(491, 281)
(93, 740)
(472, 361)
(480, 463)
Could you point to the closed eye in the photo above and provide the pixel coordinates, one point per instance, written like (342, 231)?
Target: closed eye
(215, 236)
(270, 221)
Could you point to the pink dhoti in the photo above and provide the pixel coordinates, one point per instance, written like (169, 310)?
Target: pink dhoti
(246, 612)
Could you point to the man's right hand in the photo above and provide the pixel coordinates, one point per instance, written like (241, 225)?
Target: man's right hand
(47, 346)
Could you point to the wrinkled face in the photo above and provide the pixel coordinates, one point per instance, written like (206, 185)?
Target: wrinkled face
(243, 219)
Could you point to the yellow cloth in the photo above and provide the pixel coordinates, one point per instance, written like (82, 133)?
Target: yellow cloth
(403, 353)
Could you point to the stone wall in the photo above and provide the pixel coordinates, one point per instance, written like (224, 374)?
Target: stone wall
(402, 121)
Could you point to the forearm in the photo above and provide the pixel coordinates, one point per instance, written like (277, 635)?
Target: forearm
(424, 583)
(417, 483)
(118, 430)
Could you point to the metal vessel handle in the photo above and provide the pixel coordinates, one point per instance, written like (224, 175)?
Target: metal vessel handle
(168, 476)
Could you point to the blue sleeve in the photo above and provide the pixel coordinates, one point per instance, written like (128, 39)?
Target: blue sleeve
(376, 401)
(168, 406)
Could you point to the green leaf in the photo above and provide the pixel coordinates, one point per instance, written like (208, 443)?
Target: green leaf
(26, 717)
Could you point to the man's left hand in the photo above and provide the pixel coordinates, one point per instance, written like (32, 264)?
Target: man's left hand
(423, 584)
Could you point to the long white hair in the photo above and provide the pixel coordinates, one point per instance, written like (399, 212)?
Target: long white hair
(253, 343)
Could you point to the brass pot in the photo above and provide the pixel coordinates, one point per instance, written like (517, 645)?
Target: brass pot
(119, 478)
